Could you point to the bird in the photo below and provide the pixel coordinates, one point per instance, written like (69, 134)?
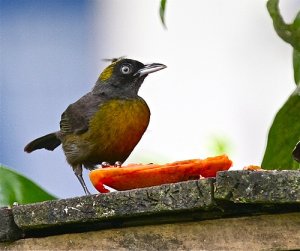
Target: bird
(103, 126)
(296, 152)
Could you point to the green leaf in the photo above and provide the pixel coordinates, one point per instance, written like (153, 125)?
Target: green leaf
(162, 12)
(296, 52)
(296, 32)
(16, 188)
(296, 64)
(282, 29)
(290, 33)
(284, 135)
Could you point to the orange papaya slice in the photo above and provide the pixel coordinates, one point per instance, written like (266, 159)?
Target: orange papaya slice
(253, 168)
(145, 175)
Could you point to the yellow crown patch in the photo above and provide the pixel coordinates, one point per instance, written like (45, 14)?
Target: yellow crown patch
(106, 74)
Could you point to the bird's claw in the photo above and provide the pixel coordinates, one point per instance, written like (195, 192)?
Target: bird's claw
(118, 164)
(105, 164)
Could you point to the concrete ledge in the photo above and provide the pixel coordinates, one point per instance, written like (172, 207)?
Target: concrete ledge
(117, 207)
(9, 231)
(280, 187)
(231, 194)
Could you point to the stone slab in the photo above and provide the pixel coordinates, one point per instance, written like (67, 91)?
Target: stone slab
(116, 206)
(269, 187)
(231, 194)
(8, 229)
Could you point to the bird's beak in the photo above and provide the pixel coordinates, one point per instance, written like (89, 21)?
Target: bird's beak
(149, 68)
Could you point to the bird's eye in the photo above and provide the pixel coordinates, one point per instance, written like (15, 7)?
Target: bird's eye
(126, 69)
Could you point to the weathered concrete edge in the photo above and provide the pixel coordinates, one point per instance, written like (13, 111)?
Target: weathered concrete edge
(160, 200)
(151, 205)
(9, 231)
(263, 187)
(191, 200)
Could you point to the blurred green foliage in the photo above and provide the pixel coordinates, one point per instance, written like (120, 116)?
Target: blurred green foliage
(284, 135)
(290, 33)
(296, 63)
(285, 130)
(162, 11)
(16, 188)
(218, 145)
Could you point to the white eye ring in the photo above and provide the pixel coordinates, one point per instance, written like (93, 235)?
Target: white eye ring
(125, 69)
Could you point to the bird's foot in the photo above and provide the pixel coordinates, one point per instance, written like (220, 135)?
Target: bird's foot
(78, 172)
(105, 164)
(118, 164)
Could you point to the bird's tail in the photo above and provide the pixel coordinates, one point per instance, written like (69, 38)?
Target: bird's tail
(49, 142)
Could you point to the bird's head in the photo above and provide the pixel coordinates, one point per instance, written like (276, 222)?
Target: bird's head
(125, 76)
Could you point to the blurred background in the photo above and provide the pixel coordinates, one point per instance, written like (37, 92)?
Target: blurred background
(228, 74)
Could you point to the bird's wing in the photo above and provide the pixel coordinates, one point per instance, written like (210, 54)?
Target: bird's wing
(76, 117)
